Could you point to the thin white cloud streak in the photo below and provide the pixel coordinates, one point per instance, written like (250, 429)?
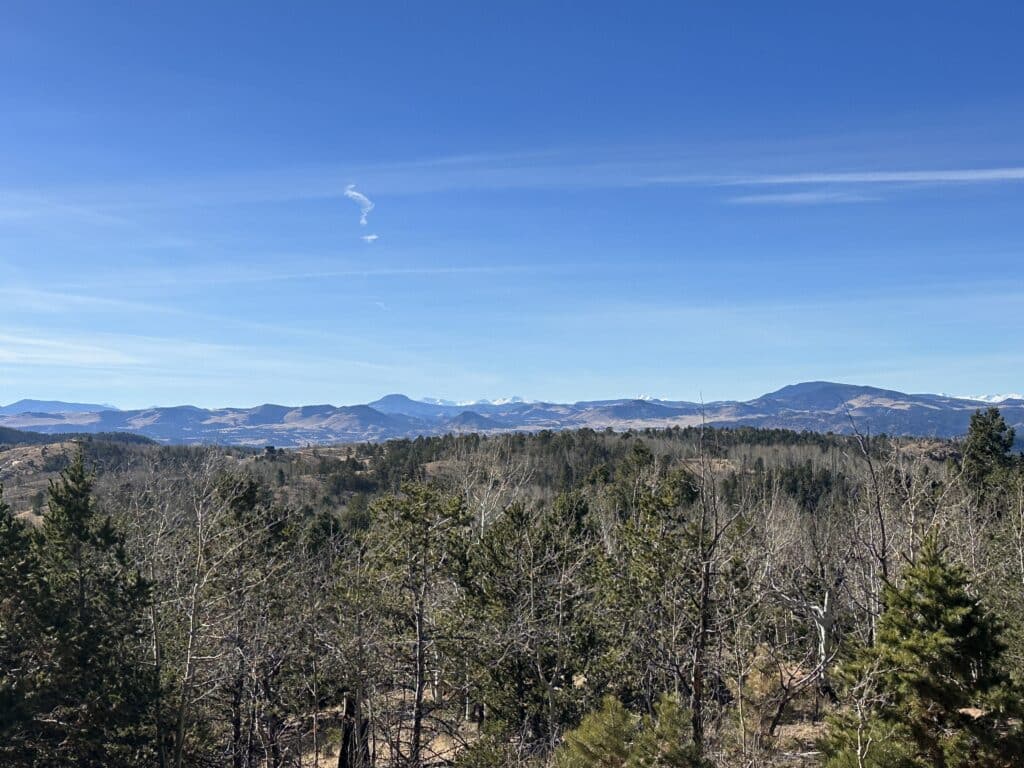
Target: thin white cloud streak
(27, 300)
(130, 352)
(945, 176)
(18, 206)
(35, 301)
(63, 364)
(524, 171)
(801, 198)
(956, 300)
(231, 275)
(364, 203)
(43, 301)
(47, 351)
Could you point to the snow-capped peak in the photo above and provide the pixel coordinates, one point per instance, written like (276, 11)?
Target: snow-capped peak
(464, 403)
(992, 398)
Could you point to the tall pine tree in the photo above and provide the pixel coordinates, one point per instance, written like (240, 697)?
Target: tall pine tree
(23, 609)
(79, 691)
(931, 691)
(986, 450)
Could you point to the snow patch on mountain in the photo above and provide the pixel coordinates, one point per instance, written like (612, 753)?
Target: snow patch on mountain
(464, 403)
(990, 398)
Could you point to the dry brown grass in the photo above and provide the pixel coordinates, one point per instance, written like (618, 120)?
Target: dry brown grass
(26, 470)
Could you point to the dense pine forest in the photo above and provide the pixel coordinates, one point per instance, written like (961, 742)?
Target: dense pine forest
(682, 597)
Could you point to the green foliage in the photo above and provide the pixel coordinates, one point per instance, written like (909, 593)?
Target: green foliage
(10, 436)
(292, 584)
(603, 739)
(490, 751)
(810, 486)
(22, 621)
(529, 591)
(416, 549)
(931, 691)
(415, 537)
(858, 742)
(664, 740)
(82, 693)
(641, 585)
(987, 448)
(612, 737)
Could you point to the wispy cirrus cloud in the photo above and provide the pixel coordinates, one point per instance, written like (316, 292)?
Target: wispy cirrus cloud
(941, 176)
(55, 348)
(845, 183)
(37, 350)
(711, 168)
(21, 206)
(56, 302)
(801, 198)
(137, 371)
(230, 275)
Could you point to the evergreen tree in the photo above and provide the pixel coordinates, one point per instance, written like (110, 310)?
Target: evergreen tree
(645, 591)
(612, 737)
(664, 740)
(23, 608)
(987, 447)
(602, 740)
(416, 546)
(84, 698)
(530, 595)
(931, 691)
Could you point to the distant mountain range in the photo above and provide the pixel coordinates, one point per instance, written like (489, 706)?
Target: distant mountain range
(818, 406)
(51, 406)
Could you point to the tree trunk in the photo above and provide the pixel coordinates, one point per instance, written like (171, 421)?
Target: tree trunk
(697, 670)
(237, 687)
(420, 682)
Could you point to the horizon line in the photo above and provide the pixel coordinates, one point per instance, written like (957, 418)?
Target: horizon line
(988, 398)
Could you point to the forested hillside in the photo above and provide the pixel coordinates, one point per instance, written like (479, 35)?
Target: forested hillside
(680, 597)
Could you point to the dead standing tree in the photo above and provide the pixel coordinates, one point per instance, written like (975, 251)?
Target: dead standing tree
(189, 539)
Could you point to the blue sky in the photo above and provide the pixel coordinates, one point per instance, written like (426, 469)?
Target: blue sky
(572, 201)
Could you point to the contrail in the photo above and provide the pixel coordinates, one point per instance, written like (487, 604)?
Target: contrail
(365, 206)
